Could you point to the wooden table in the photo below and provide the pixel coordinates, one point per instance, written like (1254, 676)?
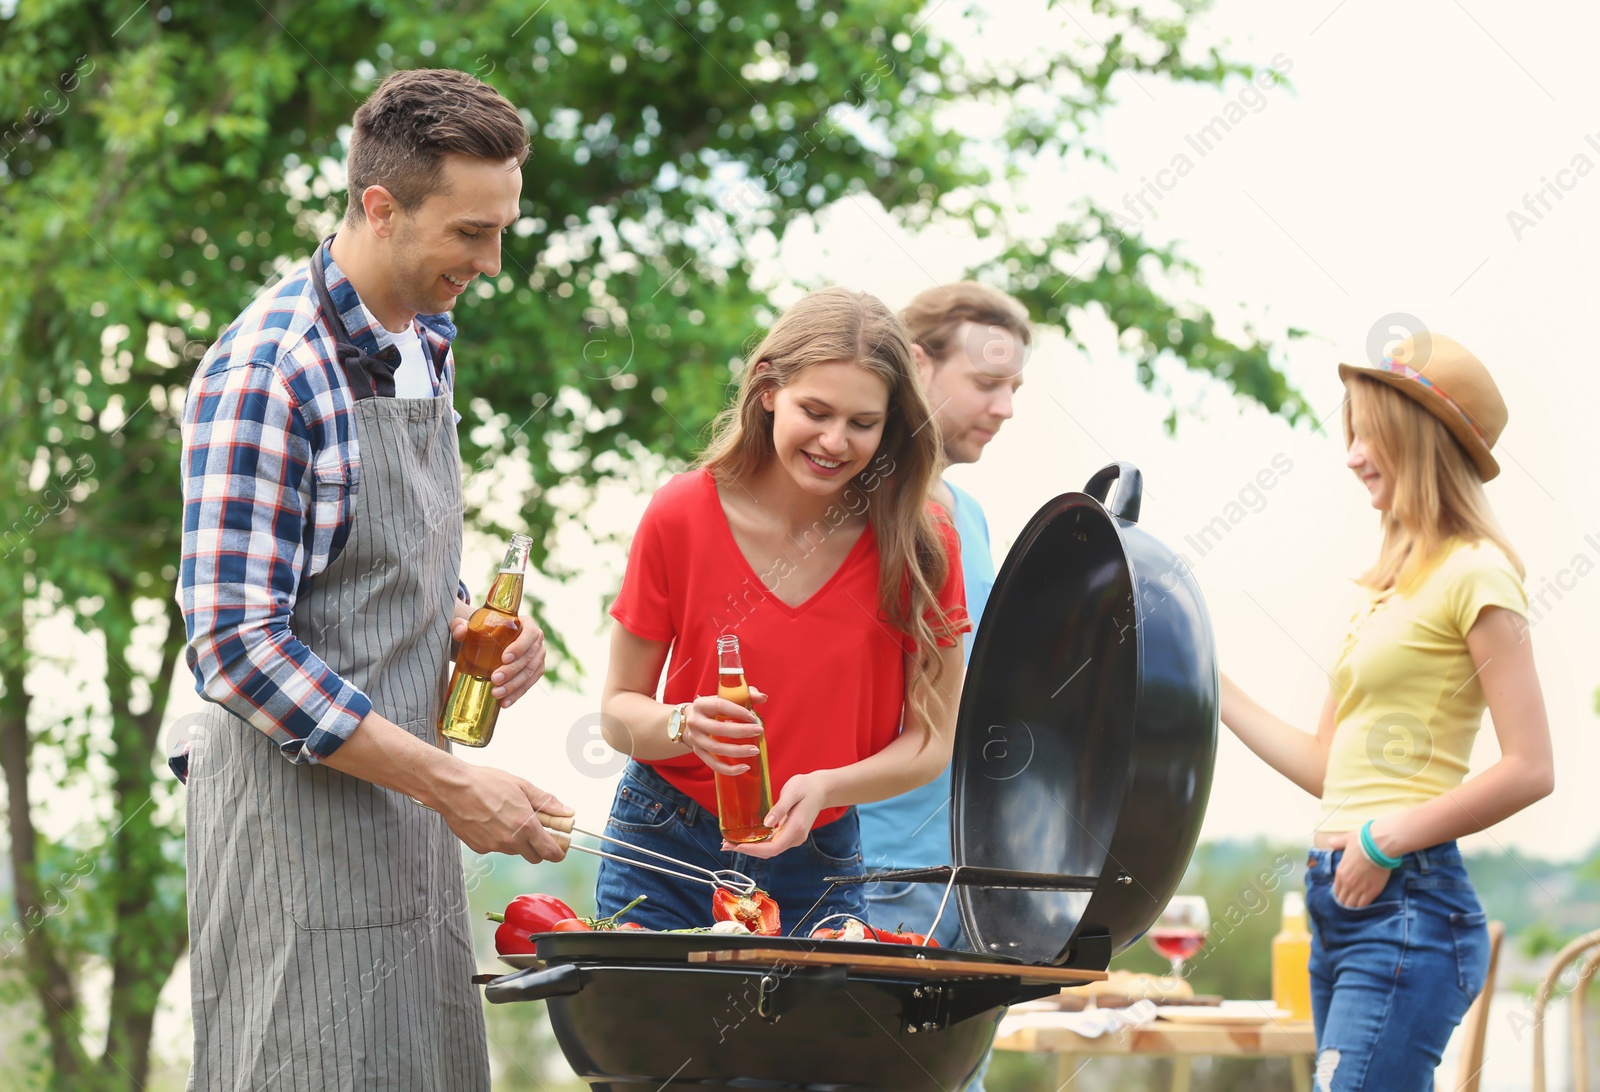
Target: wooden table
(1182, 1042)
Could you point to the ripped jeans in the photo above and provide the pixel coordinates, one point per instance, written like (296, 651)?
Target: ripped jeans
(1390, 981)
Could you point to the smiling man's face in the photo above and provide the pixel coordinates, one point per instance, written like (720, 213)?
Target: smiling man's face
(439, 247)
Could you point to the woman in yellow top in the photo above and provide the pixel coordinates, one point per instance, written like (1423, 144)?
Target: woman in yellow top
(1399, 945)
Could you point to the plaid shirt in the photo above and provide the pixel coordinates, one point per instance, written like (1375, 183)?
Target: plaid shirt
(271, 467)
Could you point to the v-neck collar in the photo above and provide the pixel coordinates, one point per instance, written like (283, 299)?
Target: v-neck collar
(863, 542)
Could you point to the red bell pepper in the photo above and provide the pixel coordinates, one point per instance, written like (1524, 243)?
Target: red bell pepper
(529, 914)
(511, 939)
(537, 912)
(757, 911)
(525, 915)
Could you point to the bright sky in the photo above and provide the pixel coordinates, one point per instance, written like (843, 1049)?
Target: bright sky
(1382, 183)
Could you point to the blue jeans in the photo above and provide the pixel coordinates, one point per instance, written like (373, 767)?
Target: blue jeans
(1390, 981)
(648, 811)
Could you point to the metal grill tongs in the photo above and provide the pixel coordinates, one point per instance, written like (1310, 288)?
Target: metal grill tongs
(562, 828)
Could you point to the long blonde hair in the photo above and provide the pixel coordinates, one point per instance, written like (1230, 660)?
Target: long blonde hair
(828, 326)
(1438, 494)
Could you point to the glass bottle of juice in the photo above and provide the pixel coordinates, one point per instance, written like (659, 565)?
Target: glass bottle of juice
(1291, 960)
(742, 801)
(470, 708)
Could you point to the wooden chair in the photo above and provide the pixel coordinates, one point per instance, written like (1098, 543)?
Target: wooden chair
(1541, 1000)
(1580, 1045)
(1475, 1025)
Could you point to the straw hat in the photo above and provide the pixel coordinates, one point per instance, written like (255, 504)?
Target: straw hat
(1450, 383)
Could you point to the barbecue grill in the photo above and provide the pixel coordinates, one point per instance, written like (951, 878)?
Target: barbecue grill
(1083, 757)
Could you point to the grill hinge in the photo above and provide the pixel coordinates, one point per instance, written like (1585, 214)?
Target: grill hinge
(935, 1006)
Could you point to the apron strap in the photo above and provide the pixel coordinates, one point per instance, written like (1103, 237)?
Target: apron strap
(369, 376)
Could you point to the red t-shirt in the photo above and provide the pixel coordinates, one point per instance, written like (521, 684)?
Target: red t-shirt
(832, 668)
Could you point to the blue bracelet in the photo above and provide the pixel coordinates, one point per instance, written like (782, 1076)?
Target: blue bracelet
(1374, 854)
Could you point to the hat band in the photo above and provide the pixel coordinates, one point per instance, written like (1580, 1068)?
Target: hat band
(1405, 371)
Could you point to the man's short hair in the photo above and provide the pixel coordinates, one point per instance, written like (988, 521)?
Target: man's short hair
(936, 315)
(415, 118)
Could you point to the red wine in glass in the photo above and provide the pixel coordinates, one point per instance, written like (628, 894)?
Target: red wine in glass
(1178, 944)
(1180, 932)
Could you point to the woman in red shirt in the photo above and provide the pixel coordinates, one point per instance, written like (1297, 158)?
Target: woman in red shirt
(806, 531)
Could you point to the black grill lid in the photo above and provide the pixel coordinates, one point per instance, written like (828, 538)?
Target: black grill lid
(1080, 679)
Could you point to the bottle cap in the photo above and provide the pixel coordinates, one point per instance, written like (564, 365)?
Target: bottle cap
(1294, 904)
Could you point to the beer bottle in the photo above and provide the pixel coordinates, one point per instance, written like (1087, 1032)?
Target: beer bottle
(470, 709)
(743, 801)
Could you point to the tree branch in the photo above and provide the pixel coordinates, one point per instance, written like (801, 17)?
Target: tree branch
(145, 942)
(44, 969)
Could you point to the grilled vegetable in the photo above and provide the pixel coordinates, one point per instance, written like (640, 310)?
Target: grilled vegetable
(856, 929)
(757, 911)
(548, 914)
(512, 939)
(609, 923)
(852, 929)
(614, 921)
(525, 915)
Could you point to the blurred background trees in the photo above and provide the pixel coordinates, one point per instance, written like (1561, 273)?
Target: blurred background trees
(161, 162)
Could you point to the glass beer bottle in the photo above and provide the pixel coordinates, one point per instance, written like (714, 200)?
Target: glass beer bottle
(470, 708)
(743, 801)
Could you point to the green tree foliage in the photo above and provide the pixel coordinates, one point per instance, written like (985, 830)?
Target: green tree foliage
(160, 163)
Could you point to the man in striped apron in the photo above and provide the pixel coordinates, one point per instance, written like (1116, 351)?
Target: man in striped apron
(329, 938)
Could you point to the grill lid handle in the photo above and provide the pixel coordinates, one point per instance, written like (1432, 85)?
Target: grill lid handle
(1130, 489)
(535, 985)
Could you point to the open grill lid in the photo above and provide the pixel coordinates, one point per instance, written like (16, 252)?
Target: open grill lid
(1086, 736)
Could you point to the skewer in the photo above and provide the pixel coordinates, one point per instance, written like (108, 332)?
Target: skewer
(563, 827)
(943, 902)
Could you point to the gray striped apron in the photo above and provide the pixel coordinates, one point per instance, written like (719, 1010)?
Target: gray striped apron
(329, 937)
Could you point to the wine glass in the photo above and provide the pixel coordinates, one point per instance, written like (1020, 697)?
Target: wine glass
(1180, 932)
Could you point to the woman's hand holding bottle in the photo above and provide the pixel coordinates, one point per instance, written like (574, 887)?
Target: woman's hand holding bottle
(725, 745)
(804, 796)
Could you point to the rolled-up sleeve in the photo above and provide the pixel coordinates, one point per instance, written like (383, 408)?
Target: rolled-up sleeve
(250, 496)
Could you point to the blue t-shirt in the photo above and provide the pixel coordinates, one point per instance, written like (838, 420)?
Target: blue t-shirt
(912, 830)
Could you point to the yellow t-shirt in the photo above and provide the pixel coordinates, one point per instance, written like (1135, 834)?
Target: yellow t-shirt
(1410, 702)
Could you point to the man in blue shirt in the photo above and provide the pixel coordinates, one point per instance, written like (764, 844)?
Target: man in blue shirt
(970, 341)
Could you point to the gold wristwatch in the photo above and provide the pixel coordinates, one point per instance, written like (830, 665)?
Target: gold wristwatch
(676, 721)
